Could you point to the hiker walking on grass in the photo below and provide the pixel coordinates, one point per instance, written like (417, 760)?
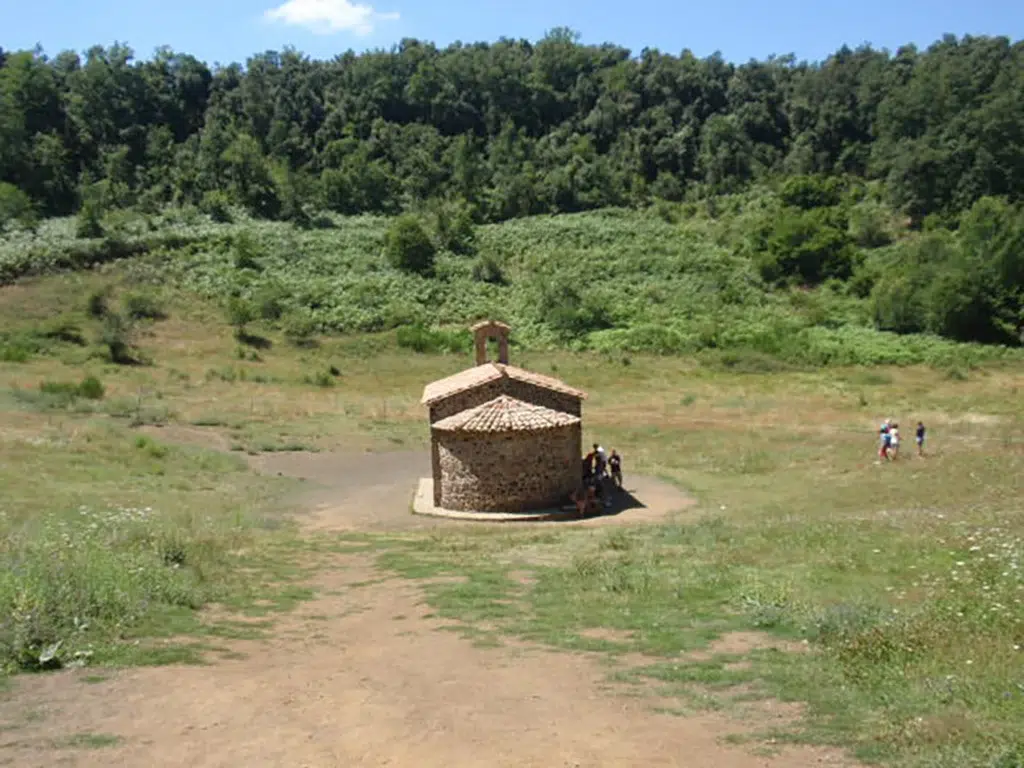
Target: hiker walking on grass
(885, 437)
(894, 442)
(919, 438)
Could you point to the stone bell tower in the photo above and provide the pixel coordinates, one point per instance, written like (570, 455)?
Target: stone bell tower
(484, 332)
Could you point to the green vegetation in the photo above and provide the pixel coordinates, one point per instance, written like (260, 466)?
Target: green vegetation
(688, 240)
(89, 567)
(894, 591)
(903, 579)
(888, 184)
(408, 247)
(611, 280)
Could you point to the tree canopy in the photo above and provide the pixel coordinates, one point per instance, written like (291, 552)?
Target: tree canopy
(512, 127)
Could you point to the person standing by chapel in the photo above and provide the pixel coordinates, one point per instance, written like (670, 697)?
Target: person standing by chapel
(615, 464)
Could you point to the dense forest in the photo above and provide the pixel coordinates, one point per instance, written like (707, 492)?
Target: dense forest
(497, 131)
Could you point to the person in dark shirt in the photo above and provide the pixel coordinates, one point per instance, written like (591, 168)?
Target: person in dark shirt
(919, 438)
(588, 466)
(615, 464)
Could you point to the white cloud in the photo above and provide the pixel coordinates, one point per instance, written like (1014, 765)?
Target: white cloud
(328, 17)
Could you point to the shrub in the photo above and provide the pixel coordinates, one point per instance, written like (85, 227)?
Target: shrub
(666, 211)
(240, 313)
(573, 315)
(299, 330)
(116, 336)
(15, 205)
(63, 329)
(217, 205)
(91, 388)
(96, 305)
(323, 379)
(667, 187)
(151, 447)
(408, 247)
(89, 224)
(66, 392)
(141, 306)
(453, 226)
(810, 246)
(425, 340)
(487, 269)
(269, 302)
(14, 352)
(870, 225)
(246, 252)
(808, 192)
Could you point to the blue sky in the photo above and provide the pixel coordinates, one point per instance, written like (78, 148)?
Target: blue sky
(230, 30)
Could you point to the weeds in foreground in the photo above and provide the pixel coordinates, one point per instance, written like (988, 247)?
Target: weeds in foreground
(82, 583)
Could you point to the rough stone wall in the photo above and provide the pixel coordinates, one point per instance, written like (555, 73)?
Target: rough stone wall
(507, 472)
(435, 469)
(521, 390)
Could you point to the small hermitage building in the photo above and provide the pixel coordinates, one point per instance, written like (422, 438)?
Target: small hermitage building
(503, 439)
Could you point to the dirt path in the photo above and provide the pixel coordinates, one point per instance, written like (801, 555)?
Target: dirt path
(361, 676)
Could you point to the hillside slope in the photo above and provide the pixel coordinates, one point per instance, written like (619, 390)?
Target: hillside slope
(672, 279)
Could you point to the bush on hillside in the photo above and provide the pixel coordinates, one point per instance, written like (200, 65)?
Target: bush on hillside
(269, 302)
(65, 393)
(247, 252)
(809, 192)
(425, 340)
(89, 223)
(958, 285)
(572, 314)
(240, 312)
(871, 224)
(143, 306)
(217, 205)
(809, 247)
(408, 247)
(454, 228)
(16, 206)
(116, 335)
(96, 304)
(300, 330)
(487, 269)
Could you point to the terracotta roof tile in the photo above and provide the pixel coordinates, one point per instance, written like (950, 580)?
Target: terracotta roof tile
(506, 414)
(540, 380)
(460, 382)
(488, 372)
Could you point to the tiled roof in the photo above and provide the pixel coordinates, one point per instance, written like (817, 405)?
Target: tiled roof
(506, 414)
(488, 372)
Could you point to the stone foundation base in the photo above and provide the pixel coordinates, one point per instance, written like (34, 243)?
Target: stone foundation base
(423, 504)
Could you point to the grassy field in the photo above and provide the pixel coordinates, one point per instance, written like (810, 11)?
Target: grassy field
(902, 583)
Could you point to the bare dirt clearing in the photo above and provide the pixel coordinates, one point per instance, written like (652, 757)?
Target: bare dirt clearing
(362, 676)
(367, 491)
